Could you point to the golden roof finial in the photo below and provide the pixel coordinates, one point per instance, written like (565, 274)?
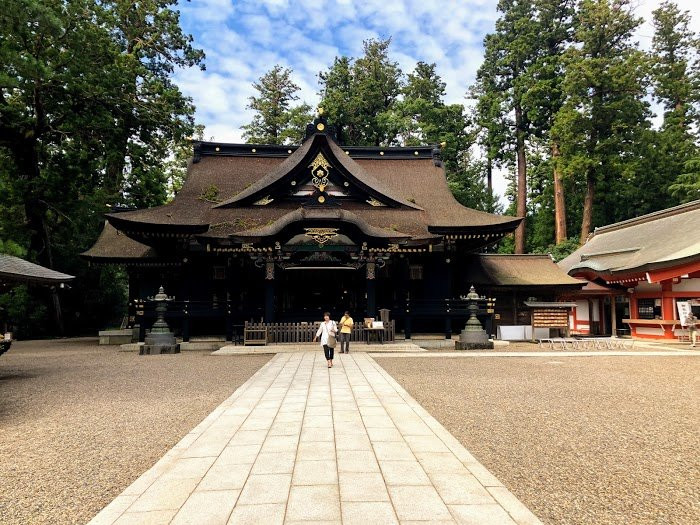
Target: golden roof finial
(320, 111)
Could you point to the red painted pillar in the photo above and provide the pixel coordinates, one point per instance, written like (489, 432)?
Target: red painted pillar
(667, 306)
(634, 312)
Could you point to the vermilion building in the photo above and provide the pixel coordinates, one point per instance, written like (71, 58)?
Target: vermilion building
(644, 267)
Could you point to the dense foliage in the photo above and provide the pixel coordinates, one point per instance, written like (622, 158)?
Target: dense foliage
(89, 118)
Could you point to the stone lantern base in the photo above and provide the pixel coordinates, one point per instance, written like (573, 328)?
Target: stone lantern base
(160, 344)
(473, 340)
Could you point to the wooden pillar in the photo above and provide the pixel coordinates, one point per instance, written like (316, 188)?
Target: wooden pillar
(613, 315)
(371, 289)
(269, 292)
(448, 296)
(667, 309)
(186, 322)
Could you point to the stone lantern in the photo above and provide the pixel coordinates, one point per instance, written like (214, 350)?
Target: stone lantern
(473, 337)
(161, 340)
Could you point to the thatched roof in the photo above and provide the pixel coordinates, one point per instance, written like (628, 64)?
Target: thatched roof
(520, 270)
(654, 241)
(218, 200)
(18, 270)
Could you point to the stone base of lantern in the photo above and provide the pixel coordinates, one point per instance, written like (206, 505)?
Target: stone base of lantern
(473, 340)
(159, 344)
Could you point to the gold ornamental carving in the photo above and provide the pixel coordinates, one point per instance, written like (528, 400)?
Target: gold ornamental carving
(321, 235)
(374, 202)
(320, 168)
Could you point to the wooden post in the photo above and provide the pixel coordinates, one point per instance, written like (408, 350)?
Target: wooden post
(186, 322)
(371, 289)
(613, 316)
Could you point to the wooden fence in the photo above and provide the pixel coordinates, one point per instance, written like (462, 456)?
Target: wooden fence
(305, 332)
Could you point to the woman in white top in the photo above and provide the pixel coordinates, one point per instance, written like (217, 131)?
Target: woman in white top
(328, 328)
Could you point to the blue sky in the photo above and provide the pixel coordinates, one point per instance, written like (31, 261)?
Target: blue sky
(245, 38)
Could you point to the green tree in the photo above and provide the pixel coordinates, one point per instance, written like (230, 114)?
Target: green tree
(605, 114)
(358, 95)
(676, 84)
(88, 113)
(275, 121)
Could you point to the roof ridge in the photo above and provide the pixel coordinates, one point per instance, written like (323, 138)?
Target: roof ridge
(659, 214)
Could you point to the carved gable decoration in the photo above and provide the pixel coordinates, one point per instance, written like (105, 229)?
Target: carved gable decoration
(320, 169)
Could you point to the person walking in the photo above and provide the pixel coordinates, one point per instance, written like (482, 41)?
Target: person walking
(327, 332)
(345, 331)
(691, 323)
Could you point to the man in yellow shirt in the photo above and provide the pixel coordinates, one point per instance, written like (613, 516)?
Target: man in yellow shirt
(345, 325)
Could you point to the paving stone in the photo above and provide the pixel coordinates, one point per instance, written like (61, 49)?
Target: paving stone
(316, 451)
(440, 462)
(268, 514)
(460, 488)
(417, 502)
(492, 514)
(357, 461)
(426, 444)
(207, 508)
(238, 454)
(384, 434)
(362, 513)
(274, 463)
(320, 502)
(404, 473)
(315, 473)
(393, 451)
(266, 488)
(280, 444)
(156, 517)
(165, 494)
(362, 486)
(225, 477)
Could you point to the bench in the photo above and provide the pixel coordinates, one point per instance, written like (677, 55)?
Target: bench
(254, 336)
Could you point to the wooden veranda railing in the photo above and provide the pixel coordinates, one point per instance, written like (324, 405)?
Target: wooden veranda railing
(305, 332)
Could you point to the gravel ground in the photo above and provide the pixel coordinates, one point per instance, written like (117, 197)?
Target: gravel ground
(604, 440)
(79, 423)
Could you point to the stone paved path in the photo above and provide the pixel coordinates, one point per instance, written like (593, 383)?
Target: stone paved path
(299, 443)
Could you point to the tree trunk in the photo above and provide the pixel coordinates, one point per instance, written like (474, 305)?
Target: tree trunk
(521, 203)
(559, 202)
(587, 219)
(489, 175)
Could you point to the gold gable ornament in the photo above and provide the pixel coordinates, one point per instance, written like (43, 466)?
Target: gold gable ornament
(321, 235)
(320, 168)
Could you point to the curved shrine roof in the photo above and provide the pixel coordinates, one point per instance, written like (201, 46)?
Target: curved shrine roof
(406, 194)
(654, 241)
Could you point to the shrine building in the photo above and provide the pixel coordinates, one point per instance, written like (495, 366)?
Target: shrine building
(640, 274)
(284, 233)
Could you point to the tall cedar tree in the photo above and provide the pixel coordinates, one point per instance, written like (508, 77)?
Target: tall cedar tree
(421, 117)
(276, 121)
(544, 96)
(87, 113)
(358, 95)
(676, 85)
(509, 51)
(605, 114)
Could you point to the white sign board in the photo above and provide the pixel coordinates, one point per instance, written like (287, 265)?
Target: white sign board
(683, 310)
